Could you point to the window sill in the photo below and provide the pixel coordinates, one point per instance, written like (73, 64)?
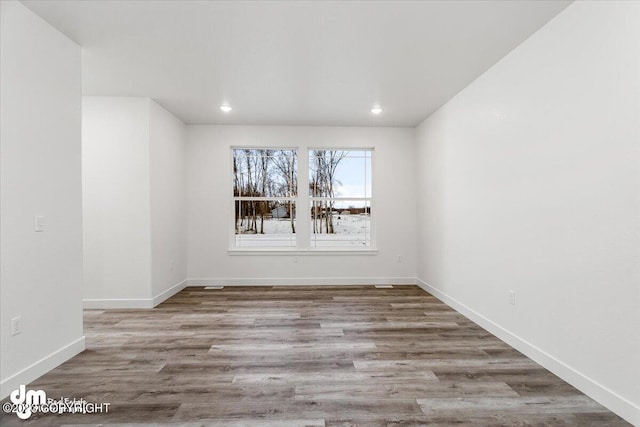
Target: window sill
(301, 252)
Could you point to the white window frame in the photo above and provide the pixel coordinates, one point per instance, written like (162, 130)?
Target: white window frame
(302, 200)
(338, 198)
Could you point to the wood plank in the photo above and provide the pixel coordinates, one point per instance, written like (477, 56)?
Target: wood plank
(416, 389)
(518, 405)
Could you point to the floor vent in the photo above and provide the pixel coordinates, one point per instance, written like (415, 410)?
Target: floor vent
(383, 286)
(210, 288)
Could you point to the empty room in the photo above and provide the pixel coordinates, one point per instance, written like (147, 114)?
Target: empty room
(319, 213)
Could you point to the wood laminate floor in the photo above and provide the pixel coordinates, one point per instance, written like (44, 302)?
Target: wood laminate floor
(307, 356)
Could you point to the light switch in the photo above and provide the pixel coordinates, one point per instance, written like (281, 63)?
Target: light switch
(39, 223)
(16, 325)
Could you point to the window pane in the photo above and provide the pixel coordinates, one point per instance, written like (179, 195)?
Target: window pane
(340, 173)
(341, 223)
(265, 173)
(265, 223)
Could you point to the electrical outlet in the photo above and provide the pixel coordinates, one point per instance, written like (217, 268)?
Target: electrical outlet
(400, 258)
(16, 325)
(38, 223)
(512, 297)
(172, 265)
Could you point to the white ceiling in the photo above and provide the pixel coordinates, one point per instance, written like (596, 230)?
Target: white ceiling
(293, 63)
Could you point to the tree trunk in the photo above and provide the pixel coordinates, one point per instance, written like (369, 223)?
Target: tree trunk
(293, 217)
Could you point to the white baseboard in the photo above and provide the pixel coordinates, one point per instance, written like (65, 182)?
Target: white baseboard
(608, 398)
(158, 299)
(41, 367)
(117, 303)
(134, 302)
(307, 281)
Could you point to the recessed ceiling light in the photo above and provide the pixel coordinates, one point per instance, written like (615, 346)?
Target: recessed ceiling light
(376, 110)
(225, 108)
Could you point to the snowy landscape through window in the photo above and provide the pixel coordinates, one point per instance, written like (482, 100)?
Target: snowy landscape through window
(340, 191)
(267, 200)
(265, 188)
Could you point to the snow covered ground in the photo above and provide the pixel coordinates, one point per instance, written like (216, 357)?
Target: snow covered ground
(350, 231)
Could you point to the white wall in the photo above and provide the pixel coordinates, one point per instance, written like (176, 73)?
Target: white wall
(41, 273)
(134, 202)
(116, 198)
(168, 200)
(529, 181)
(209, 190)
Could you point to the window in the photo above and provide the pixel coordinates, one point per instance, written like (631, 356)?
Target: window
(272, 211)
(340, 192)
(265, 186)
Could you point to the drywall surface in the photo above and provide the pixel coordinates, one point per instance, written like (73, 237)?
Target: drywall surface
(168, 200)
(41, 272)
(209, 218)
(528, 182)
(116, 198)
(134, 202)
